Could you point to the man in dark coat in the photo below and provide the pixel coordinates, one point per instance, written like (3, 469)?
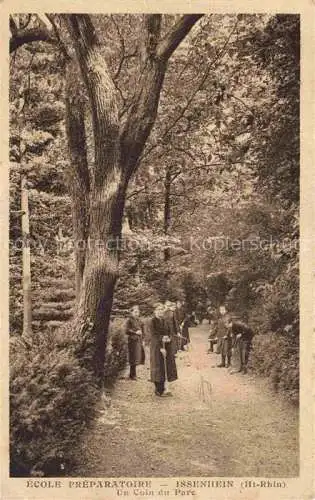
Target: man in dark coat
(212, 339)
(183, 322)
(134, 330)
(180, 311)
(243, 336)
(224, 336)
(173, 329)
(184, 327)
(161, 352)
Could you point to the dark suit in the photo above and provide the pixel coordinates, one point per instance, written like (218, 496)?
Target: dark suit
(172, 326)
(224, 345)
(135, 349)
(157, 365)
(244, 343)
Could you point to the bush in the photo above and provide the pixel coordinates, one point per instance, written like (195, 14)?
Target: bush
(52, 399)
(276, 357)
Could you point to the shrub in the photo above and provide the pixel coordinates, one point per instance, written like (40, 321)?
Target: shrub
(52, 399)
(276, 357)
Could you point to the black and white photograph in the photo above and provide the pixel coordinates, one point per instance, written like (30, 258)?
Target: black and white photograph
(154, 232)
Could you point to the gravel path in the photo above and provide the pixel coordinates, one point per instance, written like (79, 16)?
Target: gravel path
(216, 424)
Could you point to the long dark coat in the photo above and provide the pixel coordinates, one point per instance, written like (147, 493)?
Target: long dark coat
(135, 347)
(185, 331)
(224, 336)
(158, 329)
(243, 344)
(172, 326)
(180, 314)
(222, 326)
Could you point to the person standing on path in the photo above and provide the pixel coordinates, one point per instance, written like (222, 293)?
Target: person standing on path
(161, 352)
(185, 338)
(180, 312)
(212, 336)
(243, 336)
(183, 323)
(172, 324)
(224, 336)
(134, 331)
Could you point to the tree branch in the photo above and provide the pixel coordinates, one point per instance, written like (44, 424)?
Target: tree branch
(13, 26)
(82, 30)
(143, 111)
(176, 34)
(62, 46)
(214, 63)
(152, 24)
(30, 35)
(27, 22)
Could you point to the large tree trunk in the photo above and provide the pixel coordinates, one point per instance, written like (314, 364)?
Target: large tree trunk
(107, 196)
(78, 174)
(116, 158)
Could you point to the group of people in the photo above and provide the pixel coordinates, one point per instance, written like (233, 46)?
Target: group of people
(169, 333)
(228, 334)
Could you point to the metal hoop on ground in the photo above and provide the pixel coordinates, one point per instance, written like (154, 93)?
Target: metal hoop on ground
(204, 386)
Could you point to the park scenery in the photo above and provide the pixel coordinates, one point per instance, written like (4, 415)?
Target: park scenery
(154, 245)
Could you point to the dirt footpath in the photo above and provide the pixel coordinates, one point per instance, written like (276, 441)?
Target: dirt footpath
(216, 424)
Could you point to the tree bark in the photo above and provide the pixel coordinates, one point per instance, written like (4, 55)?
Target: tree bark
(78, 175)
(107, 194)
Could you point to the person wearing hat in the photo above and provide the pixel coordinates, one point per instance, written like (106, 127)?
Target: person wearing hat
(161, 352)
(134, 331)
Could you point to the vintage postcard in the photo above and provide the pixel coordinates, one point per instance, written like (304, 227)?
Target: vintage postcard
(157, 236)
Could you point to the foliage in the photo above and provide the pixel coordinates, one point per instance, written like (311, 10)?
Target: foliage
(52, 399)
(276, 357)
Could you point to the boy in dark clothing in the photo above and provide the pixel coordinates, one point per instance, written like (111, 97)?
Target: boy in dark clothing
(212, 336)
(243, 336)
(162, 359)
(223, 334)
(134, 330)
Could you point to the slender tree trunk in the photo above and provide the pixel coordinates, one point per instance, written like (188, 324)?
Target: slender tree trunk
(78, 175)
(167, 209)
(27, 292)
